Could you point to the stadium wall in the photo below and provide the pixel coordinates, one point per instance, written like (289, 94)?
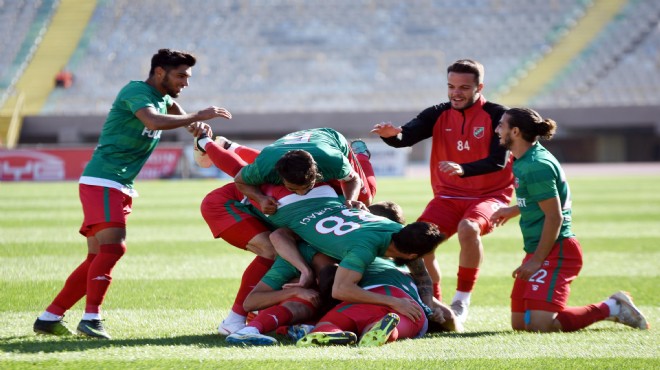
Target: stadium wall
(625, 134)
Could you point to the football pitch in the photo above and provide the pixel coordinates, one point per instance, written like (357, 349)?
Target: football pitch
(176, 283)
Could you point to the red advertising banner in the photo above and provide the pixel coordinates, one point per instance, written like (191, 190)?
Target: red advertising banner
(68, 164)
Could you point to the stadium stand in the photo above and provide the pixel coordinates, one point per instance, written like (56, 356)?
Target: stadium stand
(288, 56)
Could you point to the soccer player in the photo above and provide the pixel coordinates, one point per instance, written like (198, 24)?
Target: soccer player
(470, 173)
(130, 134)
(300, 159)
(553, 254)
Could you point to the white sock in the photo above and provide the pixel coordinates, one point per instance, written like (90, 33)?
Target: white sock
(462, 296)
(614, 306)
(203, 142)
(234, 145)
(91, 316)
(47, 316)
(234, 317)
(248, 330)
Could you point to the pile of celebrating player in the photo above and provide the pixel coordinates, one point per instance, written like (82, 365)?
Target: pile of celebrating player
(332, 266)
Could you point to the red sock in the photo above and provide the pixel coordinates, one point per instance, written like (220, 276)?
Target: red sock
(271, 318)
(467, 277)
(227, 161)
(251, 277)
(576, 318)
(74, 288)
(98, 276)
(247, 154)
(437, 291)
(368, 170)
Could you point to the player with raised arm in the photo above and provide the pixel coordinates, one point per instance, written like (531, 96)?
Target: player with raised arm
(470, 172)
(130, 134)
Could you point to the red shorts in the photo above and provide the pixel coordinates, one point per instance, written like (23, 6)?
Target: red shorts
(355, 317)
(446, 213)
(548, 289)
(228, 218)
(102, 205)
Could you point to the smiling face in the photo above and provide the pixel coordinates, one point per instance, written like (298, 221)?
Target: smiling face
(463, 89)
(174, 80)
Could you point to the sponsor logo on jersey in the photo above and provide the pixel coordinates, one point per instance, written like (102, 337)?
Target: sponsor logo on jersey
(479, 132)
(154, 134)
(516, 183)
(521, 202)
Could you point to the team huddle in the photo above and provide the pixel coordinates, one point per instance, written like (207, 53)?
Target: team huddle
(333, 266)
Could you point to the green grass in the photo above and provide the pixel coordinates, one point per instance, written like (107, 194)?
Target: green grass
(176, 283)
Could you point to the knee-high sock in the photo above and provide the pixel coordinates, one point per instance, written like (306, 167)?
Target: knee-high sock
(74, 288)
(368, 170)
(252, 275)
(246, 153)
(227, 161)
(271, 318)
(576, 318)
(99, 275)
(467, 277)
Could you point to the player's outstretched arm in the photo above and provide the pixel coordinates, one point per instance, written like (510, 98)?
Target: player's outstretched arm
(153, 120)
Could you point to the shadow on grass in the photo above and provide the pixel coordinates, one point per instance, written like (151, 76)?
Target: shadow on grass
(47, 344)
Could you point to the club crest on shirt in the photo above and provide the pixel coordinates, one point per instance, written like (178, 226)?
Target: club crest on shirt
(478, 132)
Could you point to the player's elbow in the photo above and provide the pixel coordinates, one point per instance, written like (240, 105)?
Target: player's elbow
(340, 292)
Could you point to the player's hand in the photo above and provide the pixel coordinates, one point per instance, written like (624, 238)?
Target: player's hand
(504, 214)
(527, 269)
(408, 308)
(451, 168)
(213, 112)
(385, 129)
(268, 205)
(306, 280)
(198, 128)
(356, 204)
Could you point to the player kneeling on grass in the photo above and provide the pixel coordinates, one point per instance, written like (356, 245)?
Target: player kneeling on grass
(554, 256)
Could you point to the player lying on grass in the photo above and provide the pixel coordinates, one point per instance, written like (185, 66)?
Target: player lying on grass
(553, 254)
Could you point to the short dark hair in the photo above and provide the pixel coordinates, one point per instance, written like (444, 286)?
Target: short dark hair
(298, 167)
(531, 124)
(168, 59)
(389, 210)
(418, 237)
(468, 66)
